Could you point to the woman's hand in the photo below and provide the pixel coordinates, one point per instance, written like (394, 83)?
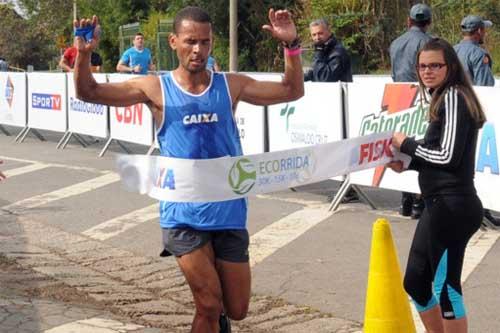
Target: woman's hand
(396, 166)
(397, 139)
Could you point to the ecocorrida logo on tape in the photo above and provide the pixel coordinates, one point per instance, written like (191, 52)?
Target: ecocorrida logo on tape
(245, 174)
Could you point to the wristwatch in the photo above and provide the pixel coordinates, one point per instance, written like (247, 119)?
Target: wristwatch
(293, 45)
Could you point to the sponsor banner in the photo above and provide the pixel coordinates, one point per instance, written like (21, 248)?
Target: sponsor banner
(386, 107)
(250, 119)
(86, 118)
(132, 123)
(47, 101)
(373, 79)
(13, 99)
(487, 177)
(183, 180)
(314, 119)
(398, 107)
(308, 121)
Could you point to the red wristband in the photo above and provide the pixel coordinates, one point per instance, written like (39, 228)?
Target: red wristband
(292, 52)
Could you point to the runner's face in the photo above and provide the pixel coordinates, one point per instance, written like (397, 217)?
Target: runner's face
(193, 44)
(432, 68)
(139, 42)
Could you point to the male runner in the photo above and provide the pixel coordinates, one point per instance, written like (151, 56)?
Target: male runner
(209, 240)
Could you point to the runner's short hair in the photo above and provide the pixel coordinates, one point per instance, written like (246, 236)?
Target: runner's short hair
(191, 13)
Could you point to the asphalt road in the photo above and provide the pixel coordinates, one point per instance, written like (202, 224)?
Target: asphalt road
(314, 258)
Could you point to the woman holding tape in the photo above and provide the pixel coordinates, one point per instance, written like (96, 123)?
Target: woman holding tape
(453, 212)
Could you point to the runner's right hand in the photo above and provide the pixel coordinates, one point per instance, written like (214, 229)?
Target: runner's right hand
(87, 46)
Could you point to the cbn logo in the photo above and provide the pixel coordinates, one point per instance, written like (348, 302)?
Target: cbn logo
(242, 176)
(288, 111)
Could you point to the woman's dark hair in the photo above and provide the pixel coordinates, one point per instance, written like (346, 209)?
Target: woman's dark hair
(455, 77)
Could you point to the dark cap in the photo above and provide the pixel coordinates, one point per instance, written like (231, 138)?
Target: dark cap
(420, 12)
(473, 22)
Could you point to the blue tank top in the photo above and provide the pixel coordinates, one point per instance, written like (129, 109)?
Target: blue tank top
(198, 127)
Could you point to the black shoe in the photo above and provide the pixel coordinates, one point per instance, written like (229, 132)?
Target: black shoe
(224, 324)
(417, 209)
(491, 218)
(406, 205)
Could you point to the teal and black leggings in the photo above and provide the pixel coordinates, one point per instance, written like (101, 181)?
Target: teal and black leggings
(437, 253)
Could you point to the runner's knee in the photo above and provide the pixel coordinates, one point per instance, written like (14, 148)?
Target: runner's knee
(208, 302)
(238, 311)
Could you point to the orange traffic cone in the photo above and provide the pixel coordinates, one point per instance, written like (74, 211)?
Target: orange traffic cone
(387, 307)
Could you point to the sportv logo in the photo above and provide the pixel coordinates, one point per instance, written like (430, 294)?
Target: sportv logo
(9, 91)
(46, 101)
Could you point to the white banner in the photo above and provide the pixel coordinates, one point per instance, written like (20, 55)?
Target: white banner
(250, 119)
(397, 107)
(205, 180)
(314, 119)
(375, 107)
(47, 101)
(13, 99)
(132, 123)
(86, 118)
(488, 147)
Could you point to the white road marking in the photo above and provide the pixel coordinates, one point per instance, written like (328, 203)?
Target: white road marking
(278, 234)
(25, 169)
(95, 325)
(290, 200)
(478, 247)
(63, 193)
(122, 223)
(53, 165)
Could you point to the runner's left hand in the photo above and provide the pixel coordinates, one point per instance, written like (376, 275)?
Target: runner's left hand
(281, 25)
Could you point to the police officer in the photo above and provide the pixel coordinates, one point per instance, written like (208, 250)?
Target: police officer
(476, 62)
(331, 62)
(4, 66)
(475, 59)
(403, 52)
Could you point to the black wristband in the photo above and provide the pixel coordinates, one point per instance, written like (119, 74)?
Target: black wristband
(293, 45)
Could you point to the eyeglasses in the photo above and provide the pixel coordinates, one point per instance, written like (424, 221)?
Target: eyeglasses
(433, 66)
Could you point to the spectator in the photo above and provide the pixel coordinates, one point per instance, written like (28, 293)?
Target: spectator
(137, 59)
(4, 66)
(331, 62)
(212, 64)
(403, 52)
(475, 60)
(95, 63)
(67, 62)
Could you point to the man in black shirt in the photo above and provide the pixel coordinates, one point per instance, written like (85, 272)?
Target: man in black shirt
(331, 62)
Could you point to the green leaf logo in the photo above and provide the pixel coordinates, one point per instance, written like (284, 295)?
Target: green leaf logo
(242, 176)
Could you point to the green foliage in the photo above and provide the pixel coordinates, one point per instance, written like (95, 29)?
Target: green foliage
(365, 27)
